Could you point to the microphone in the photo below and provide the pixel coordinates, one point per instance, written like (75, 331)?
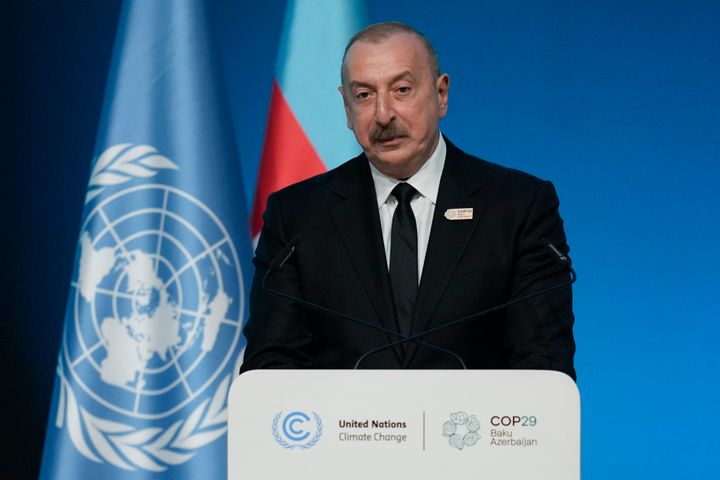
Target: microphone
(284, 254)
(557, 255)
(282, 257)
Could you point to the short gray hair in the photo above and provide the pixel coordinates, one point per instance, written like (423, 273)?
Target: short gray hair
(379, 32)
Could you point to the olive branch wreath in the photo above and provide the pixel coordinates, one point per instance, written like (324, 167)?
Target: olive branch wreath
(149, 448)
(120, 163)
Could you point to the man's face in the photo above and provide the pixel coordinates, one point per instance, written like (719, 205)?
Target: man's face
(393, 102)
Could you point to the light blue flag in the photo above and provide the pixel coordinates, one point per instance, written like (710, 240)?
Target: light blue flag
(158, 296)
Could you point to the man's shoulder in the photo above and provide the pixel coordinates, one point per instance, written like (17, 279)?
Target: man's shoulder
(491, 175)
(326, 182)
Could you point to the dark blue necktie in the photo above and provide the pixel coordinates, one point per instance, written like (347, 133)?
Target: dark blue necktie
(404, 257)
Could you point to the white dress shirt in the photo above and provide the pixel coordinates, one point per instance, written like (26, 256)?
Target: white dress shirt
(427, 182)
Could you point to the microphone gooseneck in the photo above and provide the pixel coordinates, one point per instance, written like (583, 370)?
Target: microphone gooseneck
(496, 308)
(282, 257)
(557, 255)
(285, 253)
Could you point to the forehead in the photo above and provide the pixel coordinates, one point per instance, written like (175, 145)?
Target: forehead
(400, 52)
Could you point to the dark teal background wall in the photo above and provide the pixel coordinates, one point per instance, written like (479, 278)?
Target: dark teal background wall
(615, 101)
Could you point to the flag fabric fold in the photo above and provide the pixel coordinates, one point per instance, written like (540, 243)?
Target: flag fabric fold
(306, 130)
(157, 298)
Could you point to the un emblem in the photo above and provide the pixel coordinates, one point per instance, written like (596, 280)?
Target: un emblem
(157, 301)
(297, 429)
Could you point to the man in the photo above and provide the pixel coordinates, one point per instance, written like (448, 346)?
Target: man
(409, 236)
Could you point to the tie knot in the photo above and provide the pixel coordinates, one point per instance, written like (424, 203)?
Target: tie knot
(404, 192)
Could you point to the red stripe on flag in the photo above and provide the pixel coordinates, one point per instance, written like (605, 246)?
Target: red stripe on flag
(288, 156)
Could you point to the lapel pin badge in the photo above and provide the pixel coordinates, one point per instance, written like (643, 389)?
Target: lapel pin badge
(459, 213)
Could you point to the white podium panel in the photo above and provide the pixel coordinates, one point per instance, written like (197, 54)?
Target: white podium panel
(404, 424)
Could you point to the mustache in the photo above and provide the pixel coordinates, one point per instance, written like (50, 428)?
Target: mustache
(391, 130)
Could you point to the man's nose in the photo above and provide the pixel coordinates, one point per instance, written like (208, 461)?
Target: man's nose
(384, 111)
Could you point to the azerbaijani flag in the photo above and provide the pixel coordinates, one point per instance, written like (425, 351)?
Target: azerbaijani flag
(306, 132)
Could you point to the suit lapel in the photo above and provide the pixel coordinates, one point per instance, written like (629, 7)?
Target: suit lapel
(448, 238)
(355, 214)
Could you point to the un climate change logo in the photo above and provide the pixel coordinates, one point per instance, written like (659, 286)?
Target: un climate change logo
(157, 302)
(297, 429)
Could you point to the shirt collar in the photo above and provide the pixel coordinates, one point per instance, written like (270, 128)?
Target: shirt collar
(426, 180)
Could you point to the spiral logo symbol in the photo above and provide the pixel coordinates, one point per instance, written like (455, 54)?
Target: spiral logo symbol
(297, 429)
(290, 429)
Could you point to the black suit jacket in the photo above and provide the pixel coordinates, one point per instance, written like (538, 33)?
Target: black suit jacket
(470, 265)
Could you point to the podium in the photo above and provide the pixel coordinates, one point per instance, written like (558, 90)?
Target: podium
(403, 424)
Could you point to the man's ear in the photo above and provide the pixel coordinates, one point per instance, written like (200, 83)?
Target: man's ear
(443, 87)
(346, 105)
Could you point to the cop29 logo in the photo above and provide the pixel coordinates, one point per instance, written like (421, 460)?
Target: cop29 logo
(462, 430)
(297, 429)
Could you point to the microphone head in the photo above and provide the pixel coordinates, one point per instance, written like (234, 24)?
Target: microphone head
(559, 257)
(284, 254)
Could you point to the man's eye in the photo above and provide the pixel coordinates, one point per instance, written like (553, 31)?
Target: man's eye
(404, 90)
(362, 95)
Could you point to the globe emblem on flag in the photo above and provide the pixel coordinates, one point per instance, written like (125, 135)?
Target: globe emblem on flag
(154, 320)
(152, 301)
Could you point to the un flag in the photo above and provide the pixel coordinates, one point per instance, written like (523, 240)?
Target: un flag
(153, 324)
